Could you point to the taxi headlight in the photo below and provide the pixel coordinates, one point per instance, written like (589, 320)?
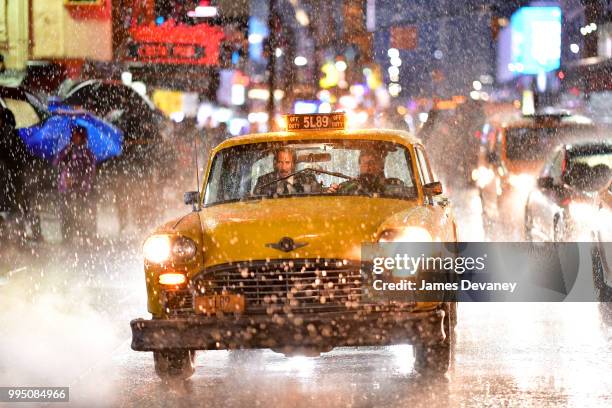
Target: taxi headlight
(157, 248)
(183, 249)
(408, 234)
(164, 248)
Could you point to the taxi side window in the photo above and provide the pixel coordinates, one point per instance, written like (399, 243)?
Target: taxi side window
(227, 188)
(262, 166)
(396, 164)
(423, 165)
(212, 187)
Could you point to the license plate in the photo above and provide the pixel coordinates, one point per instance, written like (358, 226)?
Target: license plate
(213, 304)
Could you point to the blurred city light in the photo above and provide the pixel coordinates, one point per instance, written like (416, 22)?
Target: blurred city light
(300, 61)
(305, 107)
(302, 17)
(341, 66)
(393, 53)
(258, 93)
(348, 102)
(325, 107)
(126, 77)
(255, 38)
(536, 39)
(205, 11)
(394, 89)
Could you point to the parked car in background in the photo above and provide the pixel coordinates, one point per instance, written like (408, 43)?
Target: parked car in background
(563, 206)
(513, 152)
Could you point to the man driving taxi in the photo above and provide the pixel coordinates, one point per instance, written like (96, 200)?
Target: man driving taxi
(371, 177)
(282, 180)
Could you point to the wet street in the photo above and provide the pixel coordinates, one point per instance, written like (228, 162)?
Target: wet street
(65, 322)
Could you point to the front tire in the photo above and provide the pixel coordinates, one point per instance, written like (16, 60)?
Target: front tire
(436, 358)
(174, 364)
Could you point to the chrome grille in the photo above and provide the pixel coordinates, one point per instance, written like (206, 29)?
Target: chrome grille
(286, 285)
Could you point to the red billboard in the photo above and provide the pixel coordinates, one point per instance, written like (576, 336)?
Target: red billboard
(179, 44)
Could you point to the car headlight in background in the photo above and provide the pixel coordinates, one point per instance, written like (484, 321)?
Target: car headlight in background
(408, 234)
(482, 176)
(522, 182)
(582, 211)
(585, 221)
(162, 248)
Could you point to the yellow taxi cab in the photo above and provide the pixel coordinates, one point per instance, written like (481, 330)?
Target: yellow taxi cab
(270, 256)
(514, 149)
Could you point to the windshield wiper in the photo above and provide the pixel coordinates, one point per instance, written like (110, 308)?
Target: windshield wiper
(308, 170)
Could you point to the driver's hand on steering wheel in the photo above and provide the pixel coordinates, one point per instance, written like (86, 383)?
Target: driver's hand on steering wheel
(333, 188)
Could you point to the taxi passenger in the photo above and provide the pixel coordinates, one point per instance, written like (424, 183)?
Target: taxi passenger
(283, 180)
(371, 179)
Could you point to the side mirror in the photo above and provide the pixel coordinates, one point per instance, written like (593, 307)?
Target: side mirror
(546, 183)
(432, 189)
(192, 198)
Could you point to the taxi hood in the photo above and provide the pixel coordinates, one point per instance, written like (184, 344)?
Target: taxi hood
(295, 227)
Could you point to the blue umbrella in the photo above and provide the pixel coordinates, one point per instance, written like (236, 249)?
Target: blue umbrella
(48, 138)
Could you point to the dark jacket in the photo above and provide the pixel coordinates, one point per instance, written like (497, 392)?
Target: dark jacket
(13, 151)
(77, 167)
(13, 160)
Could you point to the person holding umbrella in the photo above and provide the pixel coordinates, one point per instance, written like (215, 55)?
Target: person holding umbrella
(14, 161)
(77, 171)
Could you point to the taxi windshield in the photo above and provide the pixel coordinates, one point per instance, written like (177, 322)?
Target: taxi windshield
(309, 168)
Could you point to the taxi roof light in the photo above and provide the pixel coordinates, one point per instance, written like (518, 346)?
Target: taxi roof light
(315, 121)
